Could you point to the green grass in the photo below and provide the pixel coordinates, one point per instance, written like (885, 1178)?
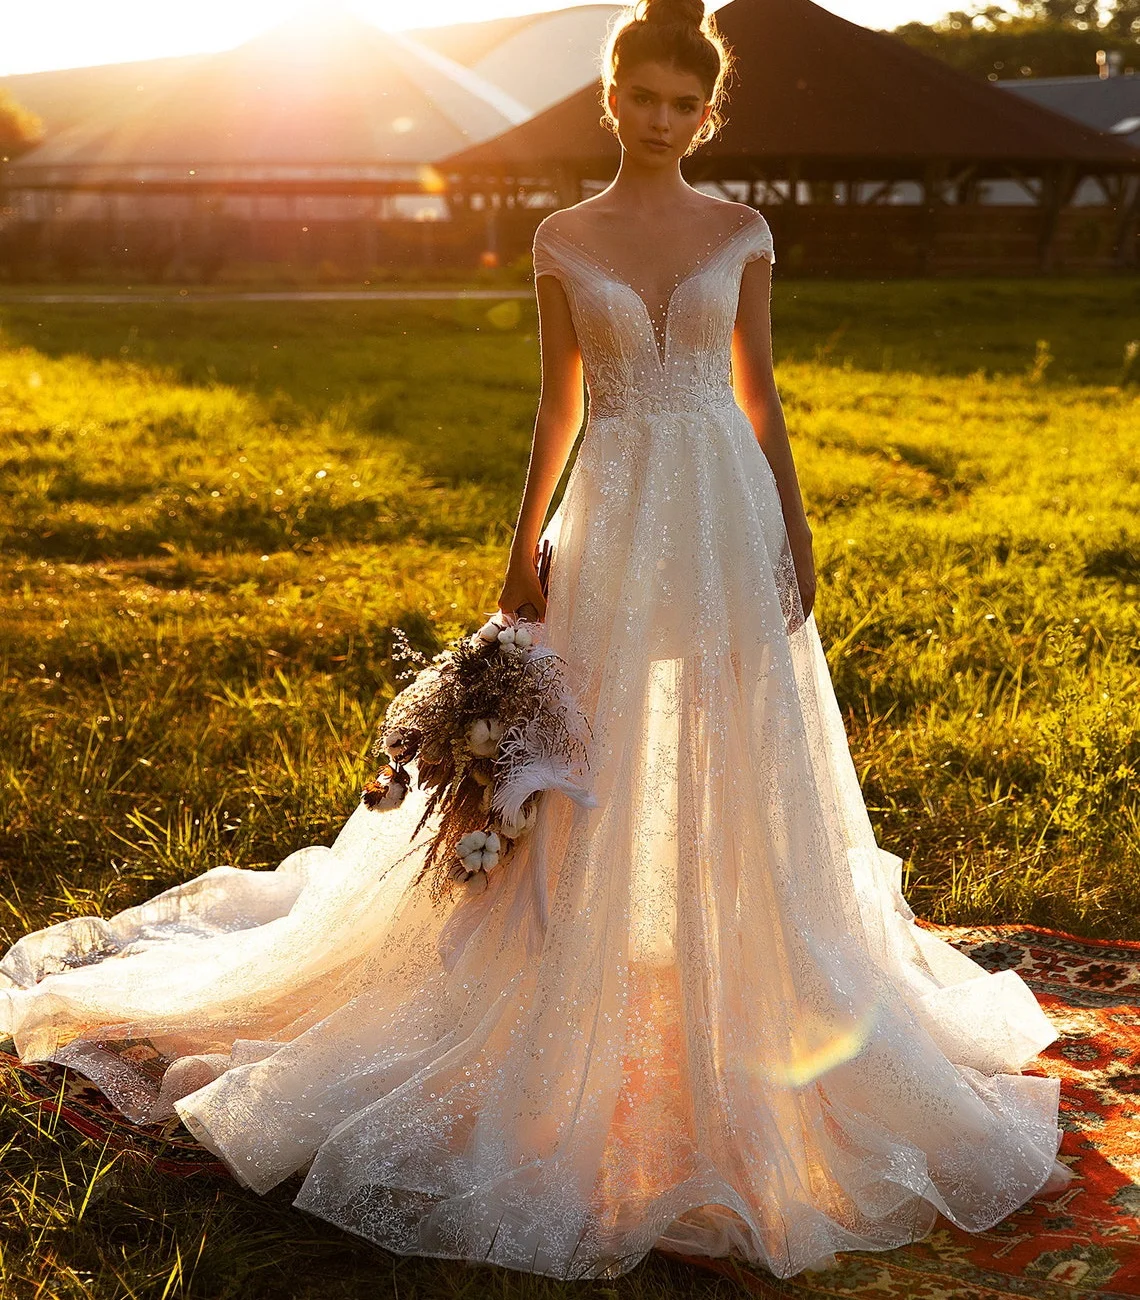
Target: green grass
(214, 515)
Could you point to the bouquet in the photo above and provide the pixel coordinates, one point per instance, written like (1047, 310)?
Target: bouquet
(492, 725)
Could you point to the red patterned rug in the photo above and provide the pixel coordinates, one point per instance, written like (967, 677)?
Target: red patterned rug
(1082, 1245)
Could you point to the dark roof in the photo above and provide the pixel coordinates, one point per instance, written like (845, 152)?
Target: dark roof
(1107, 104)
(812, 88)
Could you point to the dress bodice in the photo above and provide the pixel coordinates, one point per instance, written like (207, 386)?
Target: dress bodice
(635, 359)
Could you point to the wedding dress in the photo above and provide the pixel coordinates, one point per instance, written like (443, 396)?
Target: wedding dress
(698, 1015)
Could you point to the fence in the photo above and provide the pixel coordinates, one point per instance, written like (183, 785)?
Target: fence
(814, 240)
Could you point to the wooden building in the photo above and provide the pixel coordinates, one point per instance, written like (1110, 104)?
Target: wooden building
(312, 143)
(865, 155)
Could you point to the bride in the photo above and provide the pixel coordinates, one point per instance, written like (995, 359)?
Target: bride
(697, 1015)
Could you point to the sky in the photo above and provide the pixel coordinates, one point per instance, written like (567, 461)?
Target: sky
(78, 33)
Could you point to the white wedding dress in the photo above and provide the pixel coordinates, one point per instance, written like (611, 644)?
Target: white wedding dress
(697, 1015)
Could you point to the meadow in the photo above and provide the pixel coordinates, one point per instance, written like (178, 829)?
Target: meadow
(215, 515)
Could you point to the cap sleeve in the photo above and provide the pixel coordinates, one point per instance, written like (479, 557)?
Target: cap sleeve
(759, 243)
(542, 254)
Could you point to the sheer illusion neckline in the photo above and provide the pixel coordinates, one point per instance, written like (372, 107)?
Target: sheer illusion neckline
(702, 262)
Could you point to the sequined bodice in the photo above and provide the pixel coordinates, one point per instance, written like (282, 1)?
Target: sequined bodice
(673, 356)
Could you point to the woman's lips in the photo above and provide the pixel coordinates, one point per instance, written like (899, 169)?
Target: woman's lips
(660, 145)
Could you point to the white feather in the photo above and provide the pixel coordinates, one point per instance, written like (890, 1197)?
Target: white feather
(533, 777)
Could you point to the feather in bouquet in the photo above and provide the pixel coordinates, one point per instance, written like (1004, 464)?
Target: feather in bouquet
(492, 725)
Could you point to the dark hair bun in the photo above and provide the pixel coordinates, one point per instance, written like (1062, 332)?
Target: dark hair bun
(675, 13)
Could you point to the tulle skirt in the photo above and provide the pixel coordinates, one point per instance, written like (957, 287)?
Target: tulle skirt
(698, 1015)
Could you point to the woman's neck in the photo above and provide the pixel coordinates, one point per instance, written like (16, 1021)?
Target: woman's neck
(648, 190)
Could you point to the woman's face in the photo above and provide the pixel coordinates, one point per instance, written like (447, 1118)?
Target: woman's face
(658, 110)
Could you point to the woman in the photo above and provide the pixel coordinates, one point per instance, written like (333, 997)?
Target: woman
(698, 1014)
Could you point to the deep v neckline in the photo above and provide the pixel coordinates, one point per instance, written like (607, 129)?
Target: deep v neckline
(662, 353)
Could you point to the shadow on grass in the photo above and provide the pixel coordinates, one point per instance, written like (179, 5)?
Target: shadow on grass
(316, 352)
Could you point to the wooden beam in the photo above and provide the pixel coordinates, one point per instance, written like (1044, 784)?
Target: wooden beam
(1125, 250)
(1058, 185)
(933, 180)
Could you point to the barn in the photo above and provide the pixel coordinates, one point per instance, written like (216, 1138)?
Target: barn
(866, 156)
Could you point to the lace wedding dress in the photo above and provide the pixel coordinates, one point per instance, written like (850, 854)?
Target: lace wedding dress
(697, 1015)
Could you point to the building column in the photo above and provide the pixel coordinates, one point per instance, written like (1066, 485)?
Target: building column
(1057, 186)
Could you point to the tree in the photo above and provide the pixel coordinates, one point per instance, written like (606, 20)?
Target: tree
(1124, 21)
(20, 129)
(1046, 38)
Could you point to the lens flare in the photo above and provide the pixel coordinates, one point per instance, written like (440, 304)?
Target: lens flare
(432, 180)
(505, 315)
(818, 1044)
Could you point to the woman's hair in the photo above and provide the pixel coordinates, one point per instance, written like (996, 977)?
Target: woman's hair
(673, 32)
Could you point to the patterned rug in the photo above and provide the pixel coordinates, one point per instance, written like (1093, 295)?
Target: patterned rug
(168, 1146)
(1082, 1245)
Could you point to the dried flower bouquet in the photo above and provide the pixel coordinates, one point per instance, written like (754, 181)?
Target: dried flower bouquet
(491, 724)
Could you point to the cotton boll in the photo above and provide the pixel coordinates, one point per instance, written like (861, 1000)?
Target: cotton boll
(472, 842)
(473, 860)
(479, 850)
(483, 737)
(523, 637)
(488, 856)
(489, 631)
(507, 636)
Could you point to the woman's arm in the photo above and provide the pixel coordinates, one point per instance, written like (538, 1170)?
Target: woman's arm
(556, 425)
(754, 386)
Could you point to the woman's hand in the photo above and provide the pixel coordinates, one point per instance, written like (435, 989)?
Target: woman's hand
(804, 561)
(521, 595)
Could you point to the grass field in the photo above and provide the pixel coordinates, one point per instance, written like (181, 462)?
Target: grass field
(214, 515)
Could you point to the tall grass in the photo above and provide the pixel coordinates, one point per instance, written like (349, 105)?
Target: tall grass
(214, 516)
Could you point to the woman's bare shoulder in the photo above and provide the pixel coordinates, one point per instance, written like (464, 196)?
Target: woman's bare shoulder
(744, 212)
(568, 219)
(592, 217)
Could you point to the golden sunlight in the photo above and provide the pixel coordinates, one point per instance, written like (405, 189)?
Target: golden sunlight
(71, 33)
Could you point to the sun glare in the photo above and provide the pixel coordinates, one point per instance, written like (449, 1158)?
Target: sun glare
(75, 33)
